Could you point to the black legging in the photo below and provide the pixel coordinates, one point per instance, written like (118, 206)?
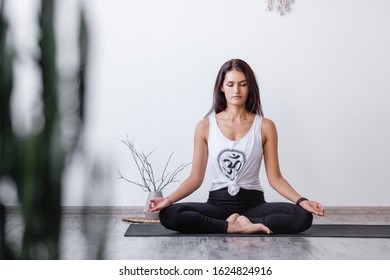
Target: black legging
(210, 217)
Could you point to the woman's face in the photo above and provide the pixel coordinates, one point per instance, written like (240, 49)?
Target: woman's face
(235, 87)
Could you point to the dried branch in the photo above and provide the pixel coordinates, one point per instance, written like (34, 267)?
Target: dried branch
(120, 176)
(172, 177)
(146, 171)
(137, 160)
(165, 168)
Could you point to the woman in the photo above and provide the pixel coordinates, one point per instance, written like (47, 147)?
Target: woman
(234, 137)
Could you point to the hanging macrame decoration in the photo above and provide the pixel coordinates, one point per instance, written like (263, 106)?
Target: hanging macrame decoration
(281, 6)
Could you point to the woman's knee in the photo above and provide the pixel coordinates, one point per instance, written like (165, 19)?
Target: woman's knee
(304, 219)
(166, 217)
(170, 217)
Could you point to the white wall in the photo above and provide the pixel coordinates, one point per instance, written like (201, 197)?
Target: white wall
(323, 71)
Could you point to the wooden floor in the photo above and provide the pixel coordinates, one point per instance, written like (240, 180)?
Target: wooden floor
(99, 234)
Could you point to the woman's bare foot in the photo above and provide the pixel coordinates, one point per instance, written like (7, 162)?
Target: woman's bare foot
(233, 217)
(243, 225)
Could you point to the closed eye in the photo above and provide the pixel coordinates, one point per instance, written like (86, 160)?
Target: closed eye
(242, 83)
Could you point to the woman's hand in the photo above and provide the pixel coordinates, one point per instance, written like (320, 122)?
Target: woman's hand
(313, 207)
(159, 203)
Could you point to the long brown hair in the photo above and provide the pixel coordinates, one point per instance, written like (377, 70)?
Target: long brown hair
(253, 103)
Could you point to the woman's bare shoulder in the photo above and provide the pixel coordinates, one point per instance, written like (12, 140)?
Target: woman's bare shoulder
(202, 128)
(268, 127)
(268, 124)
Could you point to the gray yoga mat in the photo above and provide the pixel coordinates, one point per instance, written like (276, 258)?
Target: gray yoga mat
(331, 230)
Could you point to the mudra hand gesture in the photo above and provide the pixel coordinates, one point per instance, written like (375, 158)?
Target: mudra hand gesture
(313, 207)
(159, 203)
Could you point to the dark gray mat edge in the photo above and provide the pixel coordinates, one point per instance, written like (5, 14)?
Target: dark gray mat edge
(317, 230)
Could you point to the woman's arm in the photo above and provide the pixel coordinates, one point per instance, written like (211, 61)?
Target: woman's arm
(275, 177)
(198, 170)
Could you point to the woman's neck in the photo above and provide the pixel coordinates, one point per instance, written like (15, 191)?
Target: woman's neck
(236, 113)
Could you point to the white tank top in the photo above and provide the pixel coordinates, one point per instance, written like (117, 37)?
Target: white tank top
(235, 164)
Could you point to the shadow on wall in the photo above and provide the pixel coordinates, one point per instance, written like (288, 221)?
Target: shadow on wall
(35, 162)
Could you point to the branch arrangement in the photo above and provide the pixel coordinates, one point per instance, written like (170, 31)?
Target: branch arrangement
(148, 182)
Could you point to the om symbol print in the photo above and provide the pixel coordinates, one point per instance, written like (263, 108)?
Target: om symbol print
(231, 162)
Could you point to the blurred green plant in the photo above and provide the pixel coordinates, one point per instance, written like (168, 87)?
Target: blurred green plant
(36, 162)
